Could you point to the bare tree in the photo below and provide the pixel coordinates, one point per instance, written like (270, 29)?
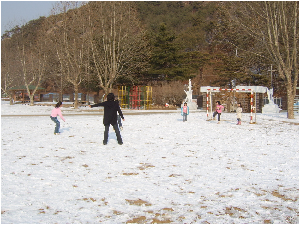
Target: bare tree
(275, 26)
(70, 40)
(10, 76)
(117, 41)
(22, 58)
(168, 92)
(30, 55)
(33, 67)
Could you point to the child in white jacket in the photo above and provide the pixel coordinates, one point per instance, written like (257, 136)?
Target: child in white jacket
(239, 111)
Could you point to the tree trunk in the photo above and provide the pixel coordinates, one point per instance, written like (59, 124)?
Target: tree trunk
(76, 96)
(290, 85)
(31, 97)
(106, 90)
(11, 98)
(290, 101)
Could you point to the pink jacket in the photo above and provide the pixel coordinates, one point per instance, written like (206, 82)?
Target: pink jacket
(57, 111)
(219, 108)
(184, 109)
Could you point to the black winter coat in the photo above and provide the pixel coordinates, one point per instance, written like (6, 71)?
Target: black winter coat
(110, 112)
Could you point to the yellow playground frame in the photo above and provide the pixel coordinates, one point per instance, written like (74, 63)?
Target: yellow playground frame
(135, 97)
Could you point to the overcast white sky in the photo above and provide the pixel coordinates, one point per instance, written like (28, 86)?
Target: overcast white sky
(20, 12)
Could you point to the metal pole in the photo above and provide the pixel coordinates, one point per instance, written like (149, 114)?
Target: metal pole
(255, 107)
(251, 121)
(271, 76)
(210, 105)
(206, 105)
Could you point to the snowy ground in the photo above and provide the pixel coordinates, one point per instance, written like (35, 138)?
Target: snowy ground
(167, 171)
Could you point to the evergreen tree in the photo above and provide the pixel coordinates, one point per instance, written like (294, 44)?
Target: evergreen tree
(234, 70)
(165, 59)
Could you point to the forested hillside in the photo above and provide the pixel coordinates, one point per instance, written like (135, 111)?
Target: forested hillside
(198, 33)
(93, 46)
(179, 33)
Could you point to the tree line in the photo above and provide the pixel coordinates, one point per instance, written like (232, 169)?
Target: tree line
(92, 46)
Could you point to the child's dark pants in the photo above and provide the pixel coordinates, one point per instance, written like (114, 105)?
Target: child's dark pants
(219, 114)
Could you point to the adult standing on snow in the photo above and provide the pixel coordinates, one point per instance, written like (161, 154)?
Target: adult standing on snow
(55, 112)
(111, 107)
(218, 111)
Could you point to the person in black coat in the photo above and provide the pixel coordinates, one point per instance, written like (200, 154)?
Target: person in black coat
(111, 107)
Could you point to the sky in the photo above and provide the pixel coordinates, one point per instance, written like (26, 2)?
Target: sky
(20, 12)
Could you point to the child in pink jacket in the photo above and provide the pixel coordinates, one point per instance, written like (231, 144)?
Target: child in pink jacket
(184, 111)
(218, 111)
(57, 112)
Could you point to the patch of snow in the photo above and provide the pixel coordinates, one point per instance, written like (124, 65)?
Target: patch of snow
(166, 171)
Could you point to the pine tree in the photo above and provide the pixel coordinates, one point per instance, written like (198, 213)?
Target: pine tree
(165, 59)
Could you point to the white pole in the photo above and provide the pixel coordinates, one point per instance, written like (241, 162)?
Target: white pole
(251, 121)
(207, 105)
(272, 75)
(210, 105)
(255, 107)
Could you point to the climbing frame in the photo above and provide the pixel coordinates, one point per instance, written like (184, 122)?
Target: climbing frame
(135, 97)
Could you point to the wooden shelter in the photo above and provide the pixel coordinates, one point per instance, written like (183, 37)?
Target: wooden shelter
(20, 93)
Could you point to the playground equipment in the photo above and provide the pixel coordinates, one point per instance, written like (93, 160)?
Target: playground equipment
(251, 89)
(135, 97)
